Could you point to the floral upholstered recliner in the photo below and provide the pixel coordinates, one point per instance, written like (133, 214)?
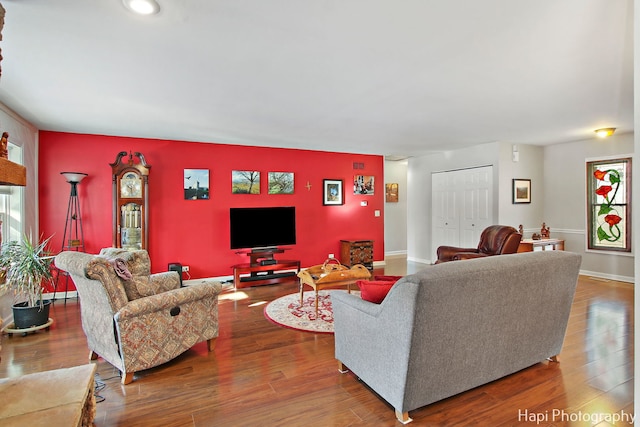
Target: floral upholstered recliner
(136, 320)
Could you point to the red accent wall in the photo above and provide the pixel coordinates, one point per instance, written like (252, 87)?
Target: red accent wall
(196, 232)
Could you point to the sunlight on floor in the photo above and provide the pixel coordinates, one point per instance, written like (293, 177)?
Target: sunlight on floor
(233, 296)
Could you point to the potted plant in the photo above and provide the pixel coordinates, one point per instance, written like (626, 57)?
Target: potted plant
(27, 269)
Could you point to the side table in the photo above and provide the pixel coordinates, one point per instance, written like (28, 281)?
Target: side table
(529, 245)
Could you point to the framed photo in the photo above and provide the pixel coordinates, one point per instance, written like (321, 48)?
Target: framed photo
(332, 192)
(391, 192)
(196, 184)
(280, 182)
(363, 184)
(245, 182)
(521, 191)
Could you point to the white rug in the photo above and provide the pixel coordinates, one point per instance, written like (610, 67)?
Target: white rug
(286, 311)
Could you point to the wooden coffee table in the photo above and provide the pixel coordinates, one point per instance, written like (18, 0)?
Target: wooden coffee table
(318, 279)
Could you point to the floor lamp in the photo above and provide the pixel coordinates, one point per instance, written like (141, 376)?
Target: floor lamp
(73, 238)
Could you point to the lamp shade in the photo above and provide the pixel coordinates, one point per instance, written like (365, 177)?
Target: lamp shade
(72, 177)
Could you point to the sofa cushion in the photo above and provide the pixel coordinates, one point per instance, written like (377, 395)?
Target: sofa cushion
(374, 290)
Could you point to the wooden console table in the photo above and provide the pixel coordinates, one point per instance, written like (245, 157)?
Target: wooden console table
(529, 245)
(264, 269)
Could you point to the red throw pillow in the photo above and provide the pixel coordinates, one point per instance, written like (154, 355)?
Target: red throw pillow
(374, 291)
(387, 278)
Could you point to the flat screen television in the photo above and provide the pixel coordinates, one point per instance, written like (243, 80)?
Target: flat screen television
(267, 227)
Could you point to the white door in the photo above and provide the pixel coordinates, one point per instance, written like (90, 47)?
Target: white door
(445, 209)
(462, 206)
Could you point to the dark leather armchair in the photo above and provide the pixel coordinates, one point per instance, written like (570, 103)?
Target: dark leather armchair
(494, 240)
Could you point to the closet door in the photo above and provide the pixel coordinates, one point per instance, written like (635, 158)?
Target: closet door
(476, 205)
(445, 228)
(461, 206)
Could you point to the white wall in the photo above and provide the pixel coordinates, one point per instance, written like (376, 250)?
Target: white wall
(566, 201)
(528, 166)
(395, 214)
(23, 134)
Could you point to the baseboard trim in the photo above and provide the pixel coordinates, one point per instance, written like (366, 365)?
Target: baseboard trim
(615, 277)
(419, 260)
(395, 254)
(60, 295)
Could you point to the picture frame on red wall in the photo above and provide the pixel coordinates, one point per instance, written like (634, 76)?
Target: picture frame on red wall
(332, 192)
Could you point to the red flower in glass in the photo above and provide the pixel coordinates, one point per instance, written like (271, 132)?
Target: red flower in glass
(604, 190)
(600, 174)
(612, 220)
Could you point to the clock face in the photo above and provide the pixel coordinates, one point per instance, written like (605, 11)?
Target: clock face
(131, 186)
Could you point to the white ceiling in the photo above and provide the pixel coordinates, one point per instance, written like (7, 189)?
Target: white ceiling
(372, 76)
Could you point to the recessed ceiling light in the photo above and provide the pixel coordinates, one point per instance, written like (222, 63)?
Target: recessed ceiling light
(142, 7)
(605, 132)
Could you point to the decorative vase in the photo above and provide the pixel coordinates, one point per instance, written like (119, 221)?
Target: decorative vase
(26, 317)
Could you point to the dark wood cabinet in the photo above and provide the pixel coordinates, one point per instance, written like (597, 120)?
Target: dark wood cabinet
(354, 252)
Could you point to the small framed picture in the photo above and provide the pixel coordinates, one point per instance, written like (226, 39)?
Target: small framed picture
(333, 192)
(245, 182)
(391, 192)
(196, 184)
(280, 182)
(521, 191)
(363, 184)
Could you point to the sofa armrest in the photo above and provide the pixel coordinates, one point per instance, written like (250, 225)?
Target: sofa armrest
(374, 340)
(355, 304)
(168, 300)
(165, 281)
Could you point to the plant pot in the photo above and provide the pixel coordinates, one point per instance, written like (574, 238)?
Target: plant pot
(27, 317)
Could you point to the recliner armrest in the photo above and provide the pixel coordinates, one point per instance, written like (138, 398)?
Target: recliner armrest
(165, 281)
(168, 300)
(468, 255)
(446, 253)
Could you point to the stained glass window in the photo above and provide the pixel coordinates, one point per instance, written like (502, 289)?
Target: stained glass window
(609, 205)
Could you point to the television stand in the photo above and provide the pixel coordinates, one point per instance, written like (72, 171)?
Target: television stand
(264, 269)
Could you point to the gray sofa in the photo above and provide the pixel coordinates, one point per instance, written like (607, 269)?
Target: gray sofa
(455, 326)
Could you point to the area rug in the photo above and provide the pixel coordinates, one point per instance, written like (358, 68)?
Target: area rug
(286, 311)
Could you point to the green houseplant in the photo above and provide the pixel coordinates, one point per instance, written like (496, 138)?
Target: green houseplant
(27, 269)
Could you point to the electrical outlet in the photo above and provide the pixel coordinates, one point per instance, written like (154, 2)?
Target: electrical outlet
(185, 268)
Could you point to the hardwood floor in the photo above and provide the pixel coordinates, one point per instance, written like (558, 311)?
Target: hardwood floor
(263, 374)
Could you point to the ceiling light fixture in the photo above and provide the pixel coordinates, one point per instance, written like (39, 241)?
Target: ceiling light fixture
(605, 132)
(142, 7)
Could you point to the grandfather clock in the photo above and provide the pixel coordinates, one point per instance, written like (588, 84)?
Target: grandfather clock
(130, 201)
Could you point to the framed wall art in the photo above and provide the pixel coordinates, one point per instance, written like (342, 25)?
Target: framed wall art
(332, 192)
(363, 184)
(280, 182)
(521, 191)
(196, 184)
(391, 193)
(245, 182)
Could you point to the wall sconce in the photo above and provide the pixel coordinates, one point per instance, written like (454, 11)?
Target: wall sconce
(142, 7)
(605, 132)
